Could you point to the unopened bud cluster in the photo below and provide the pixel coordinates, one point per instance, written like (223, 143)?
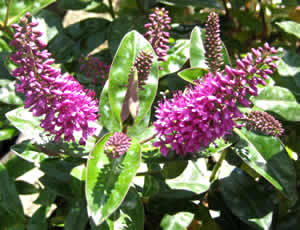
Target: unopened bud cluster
(143, 64)
(94, 68)
(213, 43)
(65, 105)
(117, 145)
(157, 33)
(263, 122)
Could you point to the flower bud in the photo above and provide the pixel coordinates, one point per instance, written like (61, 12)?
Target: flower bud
(117, 145)
(263, 122)
(213, 43)
(157, 33)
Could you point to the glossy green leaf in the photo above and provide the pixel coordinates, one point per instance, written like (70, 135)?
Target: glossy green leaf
(4, 46)
(25, 188)
(108, 180)
(194, 178)
(130, 215)
(8, 94)
(266, 156)
(57, 174)
(199, 3)
(88, 34)
(141, 130)
(173, 169)
(49, 23)
(197, 50)
(20, 7)
(29, 125)
(39, 219)
(69, 50)
(16, 166)
(226, 57)
(192, 74)
(130, 47)
(77, 181)
(98, 7)
(151, 186)
(177, 55)
(278, 100)
(25, 122)
(27, 152)
(289, 64)
(106, 117)
(251, 204)
(46, 197)
(122, 25)
(9, 199)
(77, 217)
(290, 27)
(7, 133)
(179, 221)
(57, 171)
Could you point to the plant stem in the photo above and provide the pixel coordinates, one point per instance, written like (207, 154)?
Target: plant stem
(112, 12)
(151, 172)
(147, 139)
(7, 13)
(218, 165)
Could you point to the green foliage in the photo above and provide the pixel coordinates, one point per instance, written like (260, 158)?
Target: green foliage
(197, 51)
(290, 27)
(108, 180)
(269, 159)
(245, 180)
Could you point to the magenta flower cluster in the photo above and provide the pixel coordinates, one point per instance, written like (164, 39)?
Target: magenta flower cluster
(94, 68)
(117, 145)
(157, 33)
(143, 64)
(65, 105)
(213, 43)
(263, 122)
(207, 111)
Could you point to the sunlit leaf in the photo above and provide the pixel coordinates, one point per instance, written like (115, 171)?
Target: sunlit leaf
(177, 55)
(269, 159)
(197, 50)
(192, 74)
(280, 101)
(290, 27)
(130, 47)
(179, 221)
(108, 180)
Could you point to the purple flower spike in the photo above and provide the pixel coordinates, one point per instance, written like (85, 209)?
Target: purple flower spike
(192, 120)
(253, 69)
(64, 104)
(143, 64)
(95, 69)
(263, 122)
(213, 43)
(157, 33)
(117, 145)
